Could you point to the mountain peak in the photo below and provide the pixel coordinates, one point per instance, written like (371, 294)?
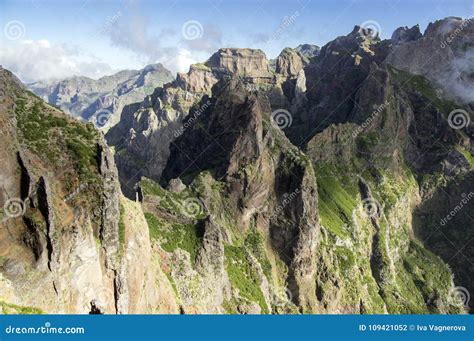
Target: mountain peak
(243, 61)
(404, 34)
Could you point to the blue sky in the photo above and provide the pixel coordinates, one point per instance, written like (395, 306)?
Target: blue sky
(43, 39)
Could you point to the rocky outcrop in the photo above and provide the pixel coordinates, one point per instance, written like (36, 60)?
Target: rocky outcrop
(146, 130)
(308, 50)
(242, 62)
(331, 78)
(405, 34)
(289, 63)
(62, 232)
(444, 54)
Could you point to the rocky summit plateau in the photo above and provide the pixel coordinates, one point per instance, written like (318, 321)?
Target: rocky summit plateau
(329, 180)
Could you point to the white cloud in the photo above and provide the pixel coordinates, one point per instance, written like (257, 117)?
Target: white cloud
(183, 59)
(33, 60)
(167, 46)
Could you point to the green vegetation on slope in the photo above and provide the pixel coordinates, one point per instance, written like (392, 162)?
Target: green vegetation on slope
(418, 83)
(254, 242)
(173, 235)
(243, 276)
(178, 204)
(121, 226)
(48, 136)
(336, 203)
(8, 308)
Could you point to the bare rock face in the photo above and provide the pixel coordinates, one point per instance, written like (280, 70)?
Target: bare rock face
(143, 136)
(199, 79)
(308, 50)
(142, 287)
(405, 34)
(444, 55)
(242, 62)
(62, 229)
(289, 63)
(331, 78)
(158, 120)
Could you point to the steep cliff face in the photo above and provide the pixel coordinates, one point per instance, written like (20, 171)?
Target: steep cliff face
(340, 183)
(101, 101)
(146, 130)
(371, 181)
(331, 80)
(345, 245)
(387, 137)
(244, 213)
(337, 231)
(63, 236)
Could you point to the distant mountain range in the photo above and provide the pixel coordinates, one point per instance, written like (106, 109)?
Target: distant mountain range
(102, 100)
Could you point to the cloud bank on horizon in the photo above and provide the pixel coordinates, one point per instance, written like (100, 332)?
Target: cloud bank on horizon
(49, 39)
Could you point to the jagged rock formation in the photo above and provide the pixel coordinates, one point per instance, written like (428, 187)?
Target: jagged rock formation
(444, 54)
(307, 50)
(223, 158)
(143, 136)
(340, 205)
(405, 34)
(238, 188)
(101, 101)
(66, 244)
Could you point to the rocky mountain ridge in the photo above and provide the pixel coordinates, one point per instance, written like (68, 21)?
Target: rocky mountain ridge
(67, 244)
(158, 120)
(318, 98)
(101, 101)
(319, 185)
